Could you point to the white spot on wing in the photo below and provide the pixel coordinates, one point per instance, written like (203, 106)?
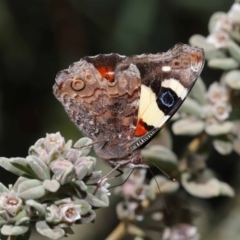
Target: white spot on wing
(166, 68)
(176, 86)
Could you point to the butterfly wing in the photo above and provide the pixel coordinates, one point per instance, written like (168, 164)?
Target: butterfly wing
(120, 96)
(121, 102)
(165, 83)
(102, 102)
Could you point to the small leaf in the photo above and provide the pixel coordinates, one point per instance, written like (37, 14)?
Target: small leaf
(100, 199)
(25, 236)
(103, 201)
(31, 189)
(53, 156)
(2, 221)
(91, 164)
(80, 184)
(214, 19)
(160, 153)
(6, 164)
(51, 185)
(191, 107)
(89, 217)
(36, 205)
(234, 50)
(226, 190)
(85, 207)
(39, 142)
(40, 169)
(232, 78)
(17, 183)
(33, 150)
(235, 33)
(223, 63)
(13, 230)
(94, 177)
(198, 92)
(203, 190)
(68, 145)
(85, 145)
(3, 189)
(63, 171)
(211, 188)
(20, 161)
(215, 129)
(81, 171)
(52, 233)
(22, 164)
(223, 147)
(188, 126)
(23, 220)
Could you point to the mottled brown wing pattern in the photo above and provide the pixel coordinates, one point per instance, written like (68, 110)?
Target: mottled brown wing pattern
(79, 97)
(120, 94)
(121, 102)
(101, 102)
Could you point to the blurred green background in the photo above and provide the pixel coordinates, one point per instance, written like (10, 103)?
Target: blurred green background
(40, 38)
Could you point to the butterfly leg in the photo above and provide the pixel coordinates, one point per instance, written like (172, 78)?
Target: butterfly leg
(124, 180)
(120, 172)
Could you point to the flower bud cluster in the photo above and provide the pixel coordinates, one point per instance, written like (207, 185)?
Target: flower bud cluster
(210, 110)
(221, 46)
(57, 188)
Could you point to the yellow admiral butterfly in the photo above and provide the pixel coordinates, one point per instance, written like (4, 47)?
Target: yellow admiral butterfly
(121, 102)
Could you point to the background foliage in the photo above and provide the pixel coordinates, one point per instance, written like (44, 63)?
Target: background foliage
(39, 38)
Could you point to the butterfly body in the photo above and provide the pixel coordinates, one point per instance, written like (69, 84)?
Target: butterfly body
(121, 102)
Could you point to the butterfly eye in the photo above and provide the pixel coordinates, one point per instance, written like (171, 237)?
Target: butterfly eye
(77, 84)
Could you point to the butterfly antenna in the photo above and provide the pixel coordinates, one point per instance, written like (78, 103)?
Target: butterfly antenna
(164, 173)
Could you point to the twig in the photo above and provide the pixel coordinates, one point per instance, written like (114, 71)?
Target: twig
(118, 232)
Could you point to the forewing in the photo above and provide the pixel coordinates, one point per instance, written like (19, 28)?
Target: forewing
(102, 102)
(124, 98)
(166, 81)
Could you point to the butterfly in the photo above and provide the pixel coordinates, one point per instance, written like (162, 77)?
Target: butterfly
(121, 102)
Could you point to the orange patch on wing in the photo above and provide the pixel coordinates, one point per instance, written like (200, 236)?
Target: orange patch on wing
(197, 56)
(140, 130)
(106, 72)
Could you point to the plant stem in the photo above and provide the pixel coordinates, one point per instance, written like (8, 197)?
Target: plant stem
(118, 232)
